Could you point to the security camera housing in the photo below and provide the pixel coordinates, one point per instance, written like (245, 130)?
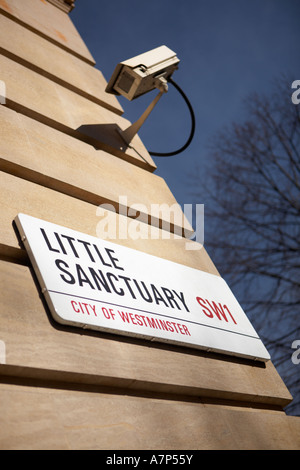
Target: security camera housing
(135, 77)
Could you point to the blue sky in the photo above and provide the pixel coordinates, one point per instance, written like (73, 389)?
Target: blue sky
(227, 49)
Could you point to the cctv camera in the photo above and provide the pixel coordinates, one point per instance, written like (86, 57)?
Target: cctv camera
(143, 73)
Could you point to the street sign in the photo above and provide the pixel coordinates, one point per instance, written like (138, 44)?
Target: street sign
(96, 284)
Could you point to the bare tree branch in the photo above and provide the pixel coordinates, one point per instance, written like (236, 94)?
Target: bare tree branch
(253, 224)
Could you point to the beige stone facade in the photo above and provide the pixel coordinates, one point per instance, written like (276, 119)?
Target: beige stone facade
(67, 388)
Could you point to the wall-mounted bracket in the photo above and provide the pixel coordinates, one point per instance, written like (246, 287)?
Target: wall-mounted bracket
(129, 133)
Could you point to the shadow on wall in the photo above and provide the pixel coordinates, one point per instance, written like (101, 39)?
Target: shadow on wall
(106, 137)
(104, 133)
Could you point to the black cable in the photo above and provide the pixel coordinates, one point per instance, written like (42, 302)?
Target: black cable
(170, 154)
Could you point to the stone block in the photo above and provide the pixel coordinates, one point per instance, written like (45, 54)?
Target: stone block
(48, 21)
(27, 48)
(64, 110)
(37, 152)
(19, 195)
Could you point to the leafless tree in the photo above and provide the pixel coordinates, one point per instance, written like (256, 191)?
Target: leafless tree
(253, 221)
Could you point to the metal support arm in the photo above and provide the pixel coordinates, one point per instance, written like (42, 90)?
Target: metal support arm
(129, 133)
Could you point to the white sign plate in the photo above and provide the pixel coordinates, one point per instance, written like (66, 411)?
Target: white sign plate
(97, 284)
